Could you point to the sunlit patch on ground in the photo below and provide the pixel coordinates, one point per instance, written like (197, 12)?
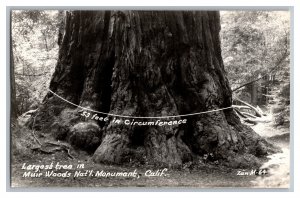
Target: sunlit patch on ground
(279, 163)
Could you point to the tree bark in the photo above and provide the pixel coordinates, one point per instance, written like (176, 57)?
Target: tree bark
(149, 63)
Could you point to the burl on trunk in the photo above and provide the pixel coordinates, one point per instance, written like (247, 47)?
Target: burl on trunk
(146, 63)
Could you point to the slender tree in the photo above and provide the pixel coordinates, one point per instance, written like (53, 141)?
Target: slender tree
(13, 104)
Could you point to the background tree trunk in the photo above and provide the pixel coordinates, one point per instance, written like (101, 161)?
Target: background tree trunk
(13, 104)
(147, 63)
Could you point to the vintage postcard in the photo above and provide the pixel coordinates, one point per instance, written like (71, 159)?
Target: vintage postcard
(150, 98)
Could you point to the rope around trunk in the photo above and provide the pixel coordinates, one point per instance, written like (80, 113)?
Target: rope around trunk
(125, 116)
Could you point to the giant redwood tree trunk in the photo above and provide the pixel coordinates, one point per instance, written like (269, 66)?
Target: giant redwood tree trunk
(145, 64)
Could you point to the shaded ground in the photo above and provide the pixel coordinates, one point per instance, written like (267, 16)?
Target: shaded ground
(202, 176)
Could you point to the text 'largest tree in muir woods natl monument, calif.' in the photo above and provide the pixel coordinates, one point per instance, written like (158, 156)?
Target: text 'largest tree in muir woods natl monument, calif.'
(146, 63)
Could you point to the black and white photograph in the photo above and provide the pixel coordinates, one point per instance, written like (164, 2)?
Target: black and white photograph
(191, 98)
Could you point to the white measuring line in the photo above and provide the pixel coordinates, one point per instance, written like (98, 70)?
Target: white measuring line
(124, 116)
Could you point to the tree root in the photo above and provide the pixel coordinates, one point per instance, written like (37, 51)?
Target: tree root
(246, 117)
(52, 147)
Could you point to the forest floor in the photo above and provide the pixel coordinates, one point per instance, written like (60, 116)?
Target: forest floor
(208, 176)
